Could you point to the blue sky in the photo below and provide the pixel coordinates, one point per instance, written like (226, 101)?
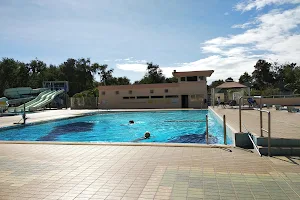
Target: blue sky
(227, 36)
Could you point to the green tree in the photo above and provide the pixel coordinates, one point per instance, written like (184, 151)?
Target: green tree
(153, 75)
(172, 80)
(246, 79)
(262, 75)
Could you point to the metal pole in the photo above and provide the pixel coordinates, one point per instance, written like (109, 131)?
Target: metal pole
(261, 118)
(206, 129)
(24, 115)
(224, 125)
(240, 114)
(269, 133)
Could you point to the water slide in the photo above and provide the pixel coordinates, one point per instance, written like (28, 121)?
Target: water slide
(39, 102)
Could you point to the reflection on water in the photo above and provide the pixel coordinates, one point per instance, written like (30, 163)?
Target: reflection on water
(67, 128)
(194, 138)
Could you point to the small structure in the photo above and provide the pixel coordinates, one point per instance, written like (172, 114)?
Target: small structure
(230, 90)
(189, 92)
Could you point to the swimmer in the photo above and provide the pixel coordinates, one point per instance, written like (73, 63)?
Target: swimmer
(131, 122)
(146, 136)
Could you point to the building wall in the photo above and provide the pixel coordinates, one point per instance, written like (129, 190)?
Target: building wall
(195, 90)
(289, 101)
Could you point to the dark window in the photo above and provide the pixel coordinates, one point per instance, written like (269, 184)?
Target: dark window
(117, 92)
(142, 97)
(103, 93)
(151, 91)
(172, 96)
(192, 78)
(131, 97)
(130, 91)
(125, 97)
(201, 78)
(157, 97)
(166, 90)
(182, 79)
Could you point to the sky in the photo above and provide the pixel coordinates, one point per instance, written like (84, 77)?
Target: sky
(227, 36)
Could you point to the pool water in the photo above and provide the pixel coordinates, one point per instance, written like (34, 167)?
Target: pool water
(164, 126)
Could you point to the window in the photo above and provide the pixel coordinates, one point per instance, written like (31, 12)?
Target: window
(192, 78)
(151, 91)
(130, 91)
(117, 92)
(103, 92)
(128, 97)
(157, 97)
(166, 90)
(172, 96)
(202, 78)
(182, 78)
(142, 97)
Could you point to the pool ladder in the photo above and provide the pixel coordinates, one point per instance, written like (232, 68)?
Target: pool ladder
(224, 129)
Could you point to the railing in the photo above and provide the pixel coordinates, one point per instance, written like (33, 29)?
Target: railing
(267, 131)
(261, 123)
(206, 122)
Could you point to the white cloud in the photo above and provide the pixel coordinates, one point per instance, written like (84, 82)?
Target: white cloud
(132, 67)
(243, 26)
(259, 4)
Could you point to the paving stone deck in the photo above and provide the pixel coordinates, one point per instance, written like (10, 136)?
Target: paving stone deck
(283, 123)
(35, 171)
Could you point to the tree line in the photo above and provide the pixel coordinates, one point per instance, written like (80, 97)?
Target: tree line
(79, 73)
(266, 79)
(270, 79)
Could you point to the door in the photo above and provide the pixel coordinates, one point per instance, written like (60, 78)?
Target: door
(184, 101)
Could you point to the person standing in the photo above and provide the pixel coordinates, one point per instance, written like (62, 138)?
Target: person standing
(219, 100)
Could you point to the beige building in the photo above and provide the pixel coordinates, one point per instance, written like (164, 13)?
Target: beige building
(189, 92)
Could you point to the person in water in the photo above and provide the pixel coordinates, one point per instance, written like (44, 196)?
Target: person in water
(146, 136)
(131, 122)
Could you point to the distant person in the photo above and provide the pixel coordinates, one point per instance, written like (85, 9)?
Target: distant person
(131, 122)
(219, 100)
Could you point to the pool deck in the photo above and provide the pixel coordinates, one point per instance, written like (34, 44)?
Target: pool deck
(35, 171)
(283, 123)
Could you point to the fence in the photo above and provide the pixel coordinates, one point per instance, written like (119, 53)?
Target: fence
(84, 103)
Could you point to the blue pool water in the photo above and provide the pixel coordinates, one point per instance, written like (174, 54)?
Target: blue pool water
(114, 127)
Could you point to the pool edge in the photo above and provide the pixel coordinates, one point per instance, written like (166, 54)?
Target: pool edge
(120, 144)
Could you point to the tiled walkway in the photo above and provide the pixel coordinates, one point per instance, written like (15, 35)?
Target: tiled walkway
(283, 123)
(35, 171)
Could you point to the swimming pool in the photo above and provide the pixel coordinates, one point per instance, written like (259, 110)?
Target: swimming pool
(164, 126)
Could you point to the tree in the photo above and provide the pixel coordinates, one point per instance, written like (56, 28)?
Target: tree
(229, 79)
(246, 79)
(105, 74)
(172, 80)
(216, 83)
(262, 75)
(154, 75)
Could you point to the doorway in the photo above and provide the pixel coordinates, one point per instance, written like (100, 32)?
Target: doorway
(184, 101)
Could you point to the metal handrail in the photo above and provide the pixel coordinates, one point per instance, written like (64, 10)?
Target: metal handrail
(206, 118)
(224, 127)
(267, 131)
(261, 122)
